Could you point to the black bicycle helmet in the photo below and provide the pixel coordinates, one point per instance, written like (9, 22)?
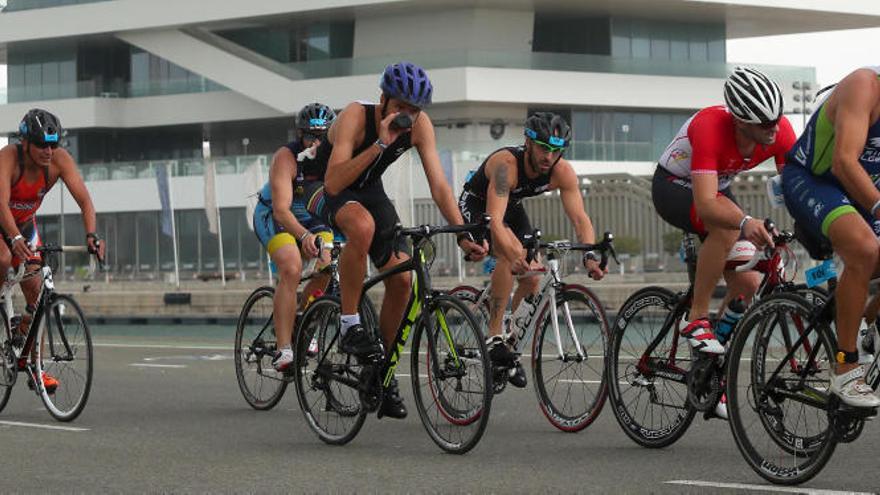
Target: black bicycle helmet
(548, 128)
(315, 118)
(40, 127)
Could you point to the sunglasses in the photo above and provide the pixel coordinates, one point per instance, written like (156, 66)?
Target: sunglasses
(768, 125)
(556, 144)
(312, 136)
(549, 148)
(43, 146)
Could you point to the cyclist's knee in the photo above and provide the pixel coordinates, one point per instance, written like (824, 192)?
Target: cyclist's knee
(530, 284)
(288, 263)
(359, 231)
(728, 236)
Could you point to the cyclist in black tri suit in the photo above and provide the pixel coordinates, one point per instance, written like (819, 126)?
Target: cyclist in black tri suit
(498, 187)
(363, 141)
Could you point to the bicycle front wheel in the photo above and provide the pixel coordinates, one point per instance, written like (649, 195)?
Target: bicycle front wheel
(8, 362)
(648, 389)
(327, 379)
(777, 390)
(64, 352)
(451, 375)
(569, 367)
(255, 346)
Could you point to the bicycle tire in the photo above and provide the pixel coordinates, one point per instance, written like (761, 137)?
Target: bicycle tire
(332, 409)
(577, 410)
(8, 362)
(260, 385)
(64, 333)
(470, 295)
(749, 394)
(624, 378)
(452, 361)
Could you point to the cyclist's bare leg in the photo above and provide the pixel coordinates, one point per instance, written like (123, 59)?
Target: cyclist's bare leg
(855, 243)
(289, 264)
(316, 284)
(397, 290)
(357, 224)
(872, 309)
(525, 286)
(502, 284)
(710, 265)
(743, 284)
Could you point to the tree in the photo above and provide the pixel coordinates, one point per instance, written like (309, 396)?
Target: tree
(672, 241)
(628, 245)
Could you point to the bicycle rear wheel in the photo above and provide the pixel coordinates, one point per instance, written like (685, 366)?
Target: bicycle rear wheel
(64, 351)
(782, 421)
(451, 375)
(8, 365)
(470, 295)
(255, 346)
(325, 378)
(648, 391)
(571, 388)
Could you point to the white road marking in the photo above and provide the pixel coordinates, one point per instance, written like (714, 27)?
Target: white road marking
(212, 357)
(764, 488)
(165, 346)
(152, 365)
(594, 382)
(46, 427)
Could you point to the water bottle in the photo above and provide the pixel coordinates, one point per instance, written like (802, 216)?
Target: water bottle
(729, 319)
(489, 265)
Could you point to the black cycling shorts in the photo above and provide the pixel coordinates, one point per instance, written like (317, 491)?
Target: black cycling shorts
(674, 201)
(374, 199)
(473, 207)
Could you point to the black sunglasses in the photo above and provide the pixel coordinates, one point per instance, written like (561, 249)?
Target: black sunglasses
(768, 125)
(43, 146)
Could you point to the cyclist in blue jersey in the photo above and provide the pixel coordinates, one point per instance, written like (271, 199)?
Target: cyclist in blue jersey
(283, 225)
(830, 183)
(360, 146)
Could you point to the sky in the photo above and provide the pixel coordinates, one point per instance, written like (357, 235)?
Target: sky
(833, 53)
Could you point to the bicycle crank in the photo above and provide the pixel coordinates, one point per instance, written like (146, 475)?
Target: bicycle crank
(703, 384)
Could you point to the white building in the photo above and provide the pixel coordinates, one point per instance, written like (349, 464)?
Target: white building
(139, 83)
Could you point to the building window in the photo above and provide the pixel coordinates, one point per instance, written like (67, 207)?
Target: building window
(304, 42)
(612, 135)
(567, 34)
(667, 40)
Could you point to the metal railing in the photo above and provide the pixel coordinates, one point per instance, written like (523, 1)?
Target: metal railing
(183, 167)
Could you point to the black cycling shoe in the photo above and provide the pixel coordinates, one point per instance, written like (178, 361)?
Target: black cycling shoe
(517, 375)
(358, 341)
(499, 353)
(392, 404)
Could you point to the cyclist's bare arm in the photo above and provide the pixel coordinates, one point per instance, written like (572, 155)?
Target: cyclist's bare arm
(348, 128)
(425, 142)
(851, 108)
(501, 171)
(566, 181)
(281, 174)
(8, 166)
(69, 173)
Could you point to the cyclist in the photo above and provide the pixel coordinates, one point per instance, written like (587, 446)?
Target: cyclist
(284, 227)
(830, 185)
(691, 187)
(363, 142)
(498, 187)
(28, 170)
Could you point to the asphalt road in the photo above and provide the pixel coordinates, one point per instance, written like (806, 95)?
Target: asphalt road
(166, 415)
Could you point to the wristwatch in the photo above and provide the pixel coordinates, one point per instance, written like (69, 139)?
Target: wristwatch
(591, 256)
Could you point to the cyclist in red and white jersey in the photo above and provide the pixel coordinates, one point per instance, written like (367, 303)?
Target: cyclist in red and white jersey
(691, 187)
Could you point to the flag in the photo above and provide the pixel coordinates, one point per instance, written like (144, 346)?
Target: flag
(253, 182)
(211, 196)
(164, 199)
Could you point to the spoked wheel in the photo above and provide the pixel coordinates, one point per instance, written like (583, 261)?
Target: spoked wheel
(571, 386)
(649, 391)
(64, 353)
(8, 365)
(781, 421)
(326, 379)
(451, 375)
(470, 295)
(255, 346)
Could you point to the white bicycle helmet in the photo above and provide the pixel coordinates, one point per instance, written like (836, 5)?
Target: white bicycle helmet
(753, 97)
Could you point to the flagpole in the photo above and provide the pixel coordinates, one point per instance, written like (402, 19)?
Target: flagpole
(219, 229)
(173, 224)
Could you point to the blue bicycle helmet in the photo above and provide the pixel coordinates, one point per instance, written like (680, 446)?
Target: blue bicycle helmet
(315, 117)
(408, 82)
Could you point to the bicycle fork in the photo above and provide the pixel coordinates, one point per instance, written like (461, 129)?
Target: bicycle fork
(566, 312)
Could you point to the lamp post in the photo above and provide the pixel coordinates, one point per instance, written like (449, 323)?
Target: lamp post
(802, 97)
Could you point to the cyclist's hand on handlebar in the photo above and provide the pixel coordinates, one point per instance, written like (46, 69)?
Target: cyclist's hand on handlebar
(96, 246)
(474, 251)
(754, 232)
(309, 249)
(593, 270)
(520, 266)
(20, 249)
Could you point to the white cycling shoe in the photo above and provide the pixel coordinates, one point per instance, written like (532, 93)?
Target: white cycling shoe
(700, 337)
(852, 390)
